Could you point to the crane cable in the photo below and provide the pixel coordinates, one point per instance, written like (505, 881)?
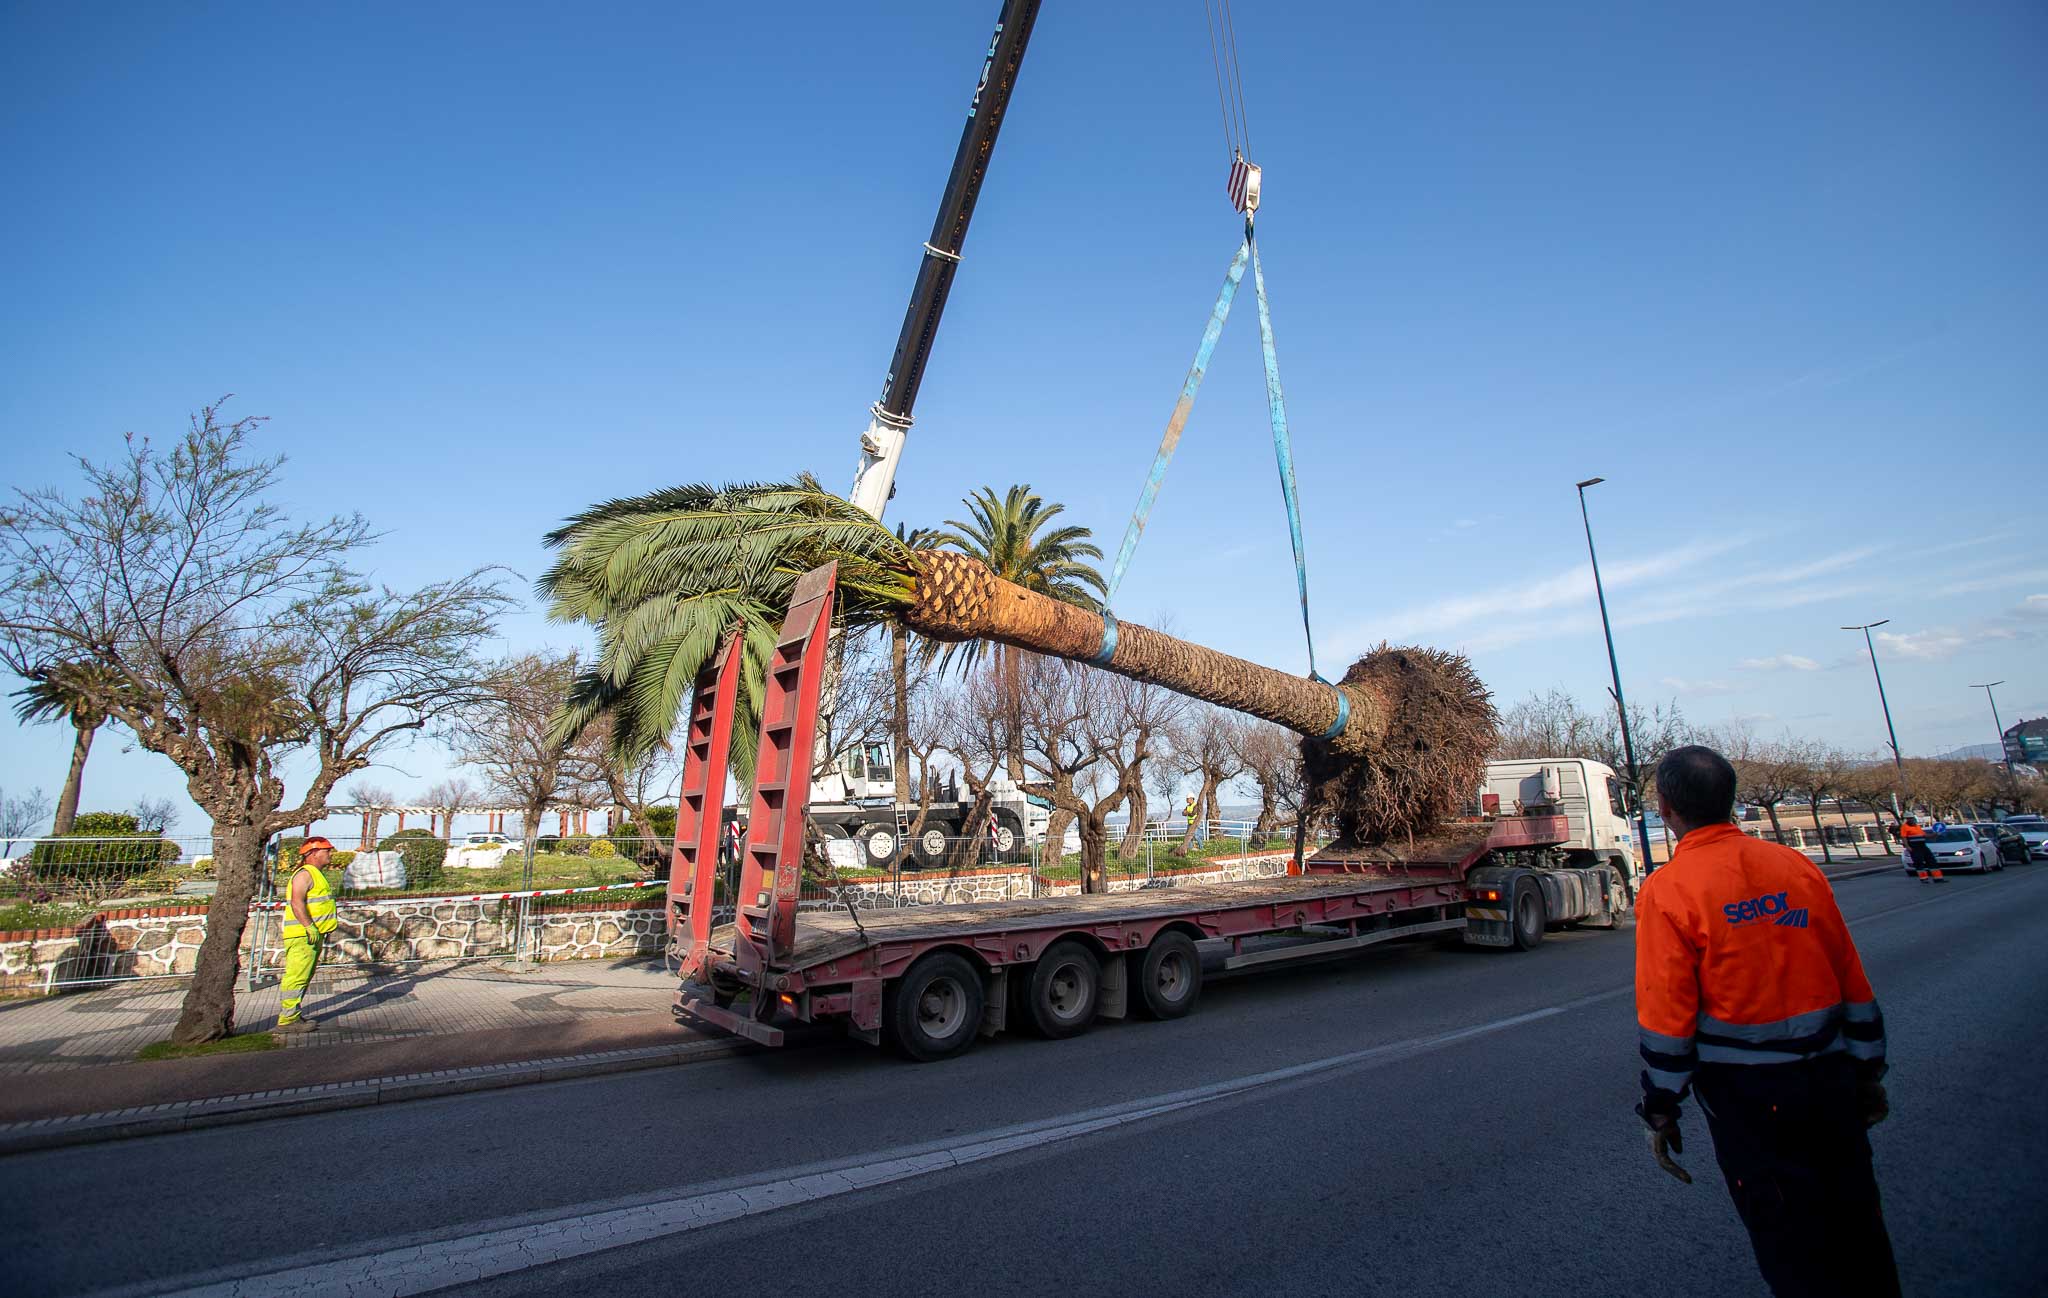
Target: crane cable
(1237, 138)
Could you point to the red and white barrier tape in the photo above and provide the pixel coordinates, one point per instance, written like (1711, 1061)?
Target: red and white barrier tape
(480, 896)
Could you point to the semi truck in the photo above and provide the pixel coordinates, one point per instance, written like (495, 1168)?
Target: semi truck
(934, 979)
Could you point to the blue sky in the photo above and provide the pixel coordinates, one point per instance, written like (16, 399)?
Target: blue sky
(1774, 271)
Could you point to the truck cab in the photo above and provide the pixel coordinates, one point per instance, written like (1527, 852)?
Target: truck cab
(1587, 793)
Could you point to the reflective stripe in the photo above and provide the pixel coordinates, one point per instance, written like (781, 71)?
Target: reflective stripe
(1663, 1081)
(1659, 1042)
(1715, 1053)
(1863, 1012)
(1864, 1049)
(1811, 1023)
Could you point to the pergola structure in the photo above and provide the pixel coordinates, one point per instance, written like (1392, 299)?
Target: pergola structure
(441, 820)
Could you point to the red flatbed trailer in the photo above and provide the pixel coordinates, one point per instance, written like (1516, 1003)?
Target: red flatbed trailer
(934, 978)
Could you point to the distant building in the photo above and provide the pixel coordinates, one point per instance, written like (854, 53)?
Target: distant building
(2027, 742)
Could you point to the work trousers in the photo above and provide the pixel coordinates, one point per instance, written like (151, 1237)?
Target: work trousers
(301, 958)
(1919, 855)
(1793, 1149)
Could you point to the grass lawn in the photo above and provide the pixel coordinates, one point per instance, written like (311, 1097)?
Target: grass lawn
(246, 1043)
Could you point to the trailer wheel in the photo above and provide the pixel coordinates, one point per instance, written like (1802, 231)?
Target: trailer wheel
(1528, 917)
(934, 1011)
(1063, 989)
(1170, 976)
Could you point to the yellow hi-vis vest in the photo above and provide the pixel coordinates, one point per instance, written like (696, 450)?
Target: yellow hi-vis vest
(319, 904)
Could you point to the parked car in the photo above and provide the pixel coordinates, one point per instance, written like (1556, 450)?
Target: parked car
(2035, 830)
(1963, 847)
(485, 840)
(2012, 846)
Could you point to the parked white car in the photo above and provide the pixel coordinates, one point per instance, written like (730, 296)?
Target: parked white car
(486, 840)
(1964, 847)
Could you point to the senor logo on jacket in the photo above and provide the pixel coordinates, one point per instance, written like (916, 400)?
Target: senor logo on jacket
(1771, 903)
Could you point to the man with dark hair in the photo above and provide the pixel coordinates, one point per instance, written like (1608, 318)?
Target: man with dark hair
(1750, 992)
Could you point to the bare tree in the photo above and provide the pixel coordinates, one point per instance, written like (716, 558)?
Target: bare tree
(233, 637)
(451, 795)
(635, 783)
(1205, 744)
(22, 815)
(1766, 771)
(507, 735)
(1551, 724)
(1815, 777)
(977, 717)
(1137, 721)
(1271, 756)
(155, 815)
(373, 798)
(1069, 726)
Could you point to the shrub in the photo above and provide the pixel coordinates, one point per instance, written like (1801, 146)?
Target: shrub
(546, 843)
(120, 852)
(653, 838)
(396, 842)
(603, 847)
(574, 845)
(423, 857)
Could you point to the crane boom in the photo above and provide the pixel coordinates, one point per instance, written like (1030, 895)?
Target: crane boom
(881, 445)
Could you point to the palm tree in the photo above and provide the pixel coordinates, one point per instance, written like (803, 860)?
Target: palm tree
(1395, 746)
(70, 691)
(1006, 536)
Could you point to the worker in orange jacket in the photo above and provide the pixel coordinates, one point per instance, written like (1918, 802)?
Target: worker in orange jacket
(1749, 993)
(1919, 856)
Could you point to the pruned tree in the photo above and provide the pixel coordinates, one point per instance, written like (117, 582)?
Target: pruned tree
(1139, 718)
(1271, 756)
(1817, 776)
(1070, 725)
(236, 641)
(452, 796)
(1555, 724)
(507, 735)
(1205, 743)
(373, 798)
(22, 815)
(633, 781)
(977, 719)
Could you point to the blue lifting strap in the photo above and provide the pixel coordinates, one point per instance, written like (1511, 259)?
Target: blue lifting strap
(1283, 453)
(1178, 421)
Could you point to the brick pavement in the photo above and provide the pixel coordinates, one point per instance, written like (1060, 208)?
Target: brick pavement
(107, 1025)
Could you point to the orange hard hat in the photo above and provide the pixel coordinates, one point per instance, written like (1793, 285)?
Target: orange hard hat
(315, 843)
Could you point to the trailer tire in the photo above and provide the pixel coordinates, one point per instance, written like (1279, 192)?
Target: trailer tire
(1063, 989)
(934, 1010)
(1527, 918)
(1170, 976)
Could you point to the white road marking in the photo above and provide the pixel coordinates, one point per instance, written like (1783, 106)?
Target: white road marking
(423, 1266)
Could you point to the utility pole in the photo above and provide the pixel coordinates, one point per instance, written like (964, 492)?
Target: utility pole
(2002, 754)
(1898, 763)
(1628, 745)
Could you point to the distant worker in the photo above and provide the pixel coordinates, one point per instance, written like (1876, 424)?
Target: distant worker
(1194, 816)
(1919, 856)
(1749, 990)
(308, 918)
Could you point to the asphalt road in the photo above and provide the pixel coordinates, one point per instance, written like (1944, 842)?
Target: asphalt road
(1413, 1120)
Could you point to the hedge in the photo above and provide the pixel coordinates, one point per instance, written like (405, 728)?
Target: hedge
(101, 846)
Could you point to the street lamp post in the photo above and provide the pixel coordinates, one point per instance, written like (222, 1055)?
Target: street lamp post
(1628, 745)
(1898, 763)
(2002, 754)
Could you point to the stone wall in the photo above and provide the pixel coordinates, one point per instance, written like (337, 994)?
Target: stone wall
(160, 940)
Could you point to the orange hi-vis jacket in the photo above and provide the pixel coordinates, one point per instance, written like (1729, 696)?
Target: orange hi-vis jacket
(1742, 958)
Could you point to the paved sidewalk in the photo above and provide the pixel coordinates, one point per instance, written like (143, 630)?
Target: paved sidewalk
(83, 1029)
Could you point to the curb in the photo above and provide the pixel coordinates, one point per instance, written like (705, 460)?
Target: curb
(226, 1110)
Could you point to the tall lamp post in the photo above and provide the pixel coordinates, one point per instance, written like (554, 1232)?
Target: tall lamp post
(1892, 735)
(2003, 755)
(1628, 744)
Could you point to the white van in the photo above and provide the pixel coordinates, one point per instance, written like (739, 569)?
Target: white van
(1587, 793)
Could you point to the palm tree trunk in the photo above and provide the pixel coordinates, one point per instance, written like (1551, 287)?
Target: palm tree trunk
(958, 598)
(67, 801)
(899, 673)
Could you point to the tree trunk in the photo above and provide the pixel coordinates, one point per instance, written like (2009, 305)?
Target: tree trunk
(1813, 807)
(1269, 813)
(1855, 843)
(209, 1009)
(1094, 842)
(1187, 840)
(1056, 823)
(965, 851)
(1777, 833)
(1013, 702)
(67, 800)
(958, 598)
(899, 679)
(1133, 844)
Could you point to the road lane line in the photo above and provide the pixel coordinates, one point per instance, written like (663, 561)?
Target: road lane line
(422, 1266)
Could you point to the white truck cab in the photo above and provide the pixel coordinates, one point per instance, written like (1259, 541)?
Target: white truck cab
(1587, 793)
